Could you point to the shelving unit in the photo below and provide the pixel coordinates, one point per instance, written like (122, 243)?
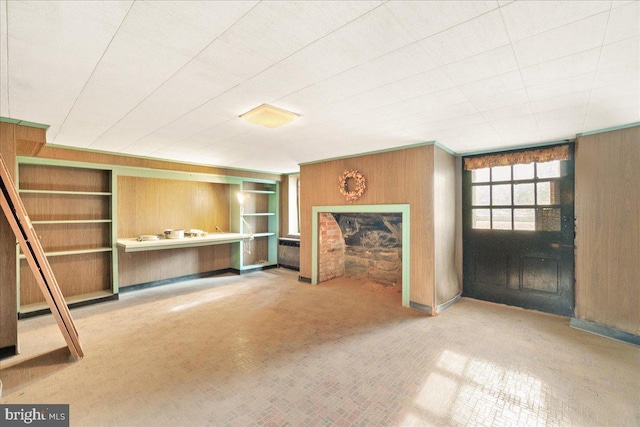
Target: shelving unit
(257, 211)
(71, 209)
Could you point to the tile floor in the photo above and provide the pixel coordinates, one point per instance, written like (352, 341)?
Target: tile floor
(264, 349)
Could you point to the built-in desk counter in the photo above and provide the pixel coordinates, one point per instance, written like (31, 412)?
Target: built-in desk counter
(134, 245)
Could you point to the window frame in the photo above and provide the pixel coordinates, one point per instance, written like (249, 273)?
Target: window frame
(537, 207)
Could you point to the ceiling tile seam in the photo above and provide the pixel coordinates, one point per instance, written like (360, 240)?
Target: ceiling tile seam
(595, 74)
(559, 26)
(328, 121)
(92, 72)
(186, 138)
(6, 13)
(246, 80)
(170, 77)
(458, 24)
(522, 80)
(416, 41)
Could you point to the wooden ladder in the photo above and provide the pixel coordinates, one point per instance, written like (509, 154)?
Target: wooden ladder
(32, 249)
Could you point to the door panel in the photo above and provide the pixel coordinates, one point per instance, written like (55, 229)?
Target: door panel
(518, 235)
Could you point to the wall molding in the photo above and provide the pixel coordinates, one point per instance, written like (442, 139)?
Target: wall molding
(421, 307)
(442, 307)
(605, 331)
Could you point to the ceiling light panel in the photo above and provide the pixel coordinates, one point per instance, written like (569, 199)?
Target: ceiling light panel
(269, 116)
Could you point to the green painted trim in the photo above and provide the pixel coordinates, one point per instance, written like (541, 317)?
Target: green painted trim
(55, 162)
(369, 153)
(611, 129)
(24, 123)
(112, 153)
(405, 210)
(115, 275)
(144, 172)
(235, 225)
(445, 148)
(183, 244)
(518, 147)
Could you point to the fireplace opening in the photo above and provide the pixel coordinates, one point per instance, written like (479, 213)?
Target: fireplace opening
(365, 246)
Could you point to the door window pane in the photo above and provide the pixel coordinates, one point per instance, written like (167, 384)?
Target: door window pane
(549, 219)
(480, 218)
(548, 193)
(524, 194)
(480, 175)
(524, 219)
(523, 171)
(501, 173)
(481, 195)
(501, 219)
(501, 194)
(549, 169)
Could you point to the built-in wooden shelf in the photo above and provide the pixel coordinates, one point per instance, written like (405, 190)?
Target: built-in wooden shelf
(259, 214)
(68, 192)
(263, 234)
(75, 252)
(259, 191)
(132, 244)
(72, 221)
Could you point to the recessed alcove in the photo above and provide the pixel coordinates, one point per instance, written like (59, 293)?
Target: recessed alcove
(364, 242)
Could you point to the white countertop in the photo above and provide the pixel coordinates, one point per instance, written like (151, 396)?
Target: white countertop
(131, 244)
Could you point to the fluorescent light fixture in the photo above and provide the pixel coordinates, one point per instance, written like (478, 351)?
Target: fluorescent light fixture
(269, 116)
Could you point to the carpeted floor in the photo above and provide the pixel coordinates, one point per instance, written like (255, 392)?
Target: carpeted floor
(264, 349)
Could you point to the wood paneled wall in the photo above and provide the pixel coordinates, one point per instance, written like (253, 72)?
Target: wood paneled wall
(444, 186)
(142, 267)
(151, 205)
(396, 177)
(607, 209)
(148, 207)
(8, 317)
(11, 135)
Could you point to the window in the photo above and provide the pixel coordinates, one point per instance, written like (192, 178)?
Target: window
(294, 204)
(517, 197)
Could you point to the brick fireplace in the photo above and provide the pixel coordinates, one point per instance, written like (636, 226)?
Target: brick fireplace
(366, 242)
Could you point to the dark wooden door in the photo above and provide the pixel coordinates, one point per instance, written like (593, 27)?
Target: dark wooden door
(519, 233)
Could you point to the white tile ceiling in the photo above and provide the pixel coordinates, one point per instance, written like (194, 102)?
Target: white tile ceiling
(169, 79)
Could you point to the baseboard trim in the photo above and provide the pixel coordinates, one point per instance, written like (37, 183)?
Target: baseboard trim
(155, 283)
(421, 307)
(35, 313)
(605, 331)
(304, 279)
(8, 351)
(442, 307)
(290, 267)
(258, 268)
